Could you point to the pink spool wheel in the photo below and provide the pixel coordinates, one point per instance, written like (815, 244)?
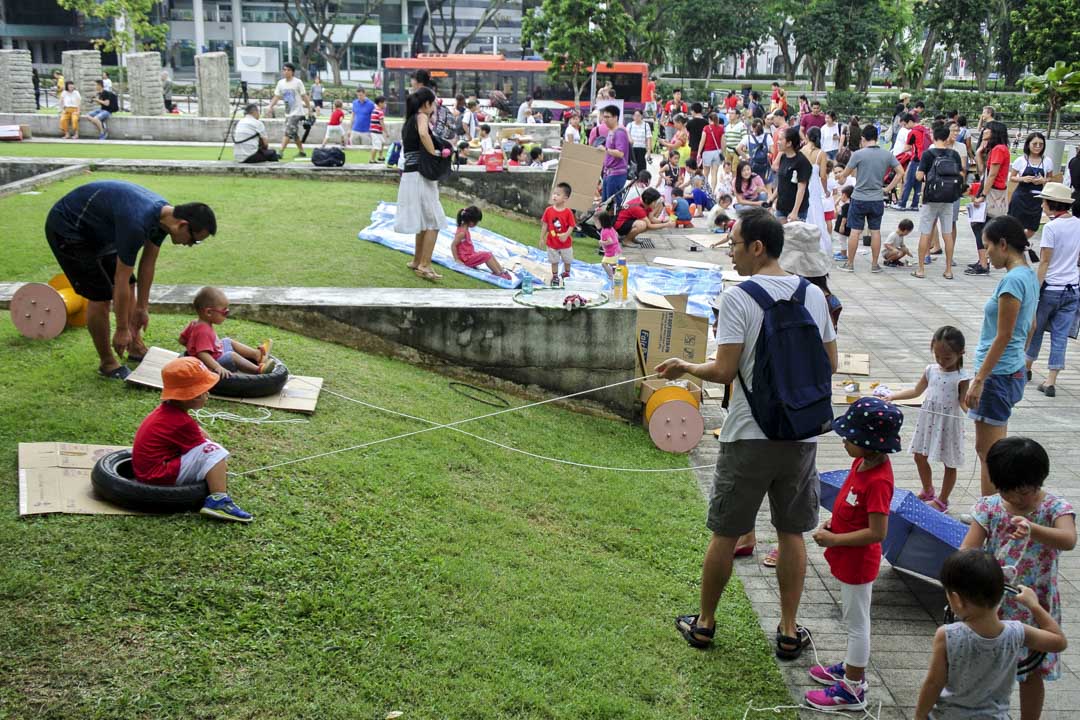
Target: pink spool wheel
(676, 426)
(38, 311)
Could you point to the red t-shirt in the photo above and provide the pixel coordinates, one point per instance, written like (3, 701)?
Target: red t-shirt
(633, 210)
(166, 434)
(650, 92)
(919, 139)
(199, 337)
(335, 117)
(731, 102)
(671, 109)
(1000, 156)
(714, 138)
(558, 222)
(861, 494)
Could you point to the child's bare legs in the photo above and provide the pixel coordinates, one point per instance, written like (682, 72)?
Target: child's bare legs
(610, 270)
(1032, 694)
(217, 478)
(985, 437)
(494, 266)
(244, 365)
(926, 475)
(554, 270)
(948, 482)
(249, 353)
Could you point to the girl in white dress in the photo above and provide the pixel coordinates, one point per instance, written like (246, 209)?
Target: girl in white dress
(939, 431)
(815, 215)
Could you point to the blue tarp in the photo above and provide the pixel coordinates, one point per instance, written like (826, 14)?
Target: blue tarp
(699, 285)
(919, 537)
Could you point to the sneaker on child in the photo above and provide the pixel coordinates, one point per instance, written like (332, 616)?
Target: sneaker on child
(221, 507)
(828, 675)
(840, 696)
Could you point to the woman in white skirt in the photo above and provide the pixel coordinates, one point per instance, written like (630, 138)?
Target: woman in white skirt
(419, 211)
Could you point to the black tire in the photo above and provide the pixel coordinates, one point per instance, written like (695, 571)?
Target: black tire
(114, 480)
(243, 385)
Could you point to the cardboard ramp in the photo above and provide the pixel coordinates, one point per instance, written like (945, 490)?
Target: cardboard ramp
(54, 477)
(840, 396)
(853, 364)
(300, 394)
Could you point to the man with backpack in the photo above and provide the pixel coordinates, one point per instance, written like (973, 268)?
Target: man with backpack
(941, 172)
(777, 346)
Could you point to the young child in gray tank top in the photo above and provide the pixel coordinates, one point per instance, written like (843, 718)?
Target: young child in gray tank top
(973, 664)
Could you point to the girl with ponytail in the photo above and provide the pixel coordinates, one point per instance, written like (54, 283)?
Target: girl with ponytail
(462, 247)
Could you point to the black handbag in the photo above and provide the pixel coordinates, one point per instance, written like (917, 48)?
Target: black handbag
(436, 167)
(328, 157)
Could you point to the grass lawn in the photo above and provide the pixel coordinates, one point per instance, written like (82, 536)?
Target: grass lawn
(76, 149)
(434, 575)
(271, 232)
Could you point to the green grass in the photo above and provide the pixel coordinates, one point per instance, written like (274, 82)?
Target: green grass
(271, 232)
(435, 575)
(78, 149)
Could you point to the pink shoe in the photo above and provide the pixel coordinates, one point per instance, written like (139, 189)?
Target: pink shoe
(939, 505)
(927, 496)
(827, 675)
(840, 696)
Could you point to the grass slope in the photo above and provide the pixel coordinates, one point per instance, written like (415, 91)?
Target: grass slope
(270, 232)
(434, 575)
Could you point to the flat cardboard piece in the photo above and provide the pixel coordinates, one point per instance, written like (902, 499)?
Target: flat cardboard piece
(840, 396)
(541, 271)
(852, 363)
(679, 262)
(650, 386)
(671, 332)
(300, 394)
(580, 166)
(54, 477)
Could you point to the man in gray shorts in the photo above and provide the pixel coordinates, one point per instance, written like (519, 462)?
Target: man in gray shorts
(750, 465)
(937, 208)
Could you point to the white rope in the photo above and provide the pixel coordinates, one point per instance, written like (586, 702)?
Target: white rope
(207, 417)
(453, 426)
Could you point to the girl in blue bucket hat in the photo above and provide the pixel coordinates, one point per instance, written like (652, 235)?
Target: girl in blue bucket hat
(852, 538)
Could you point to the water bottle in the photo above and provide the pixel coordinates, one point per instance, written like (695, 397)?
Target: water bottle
(526, 282)
(617, 281)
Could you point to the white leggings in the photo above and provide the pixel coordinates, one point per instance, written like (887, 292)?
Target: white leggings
(855, 607)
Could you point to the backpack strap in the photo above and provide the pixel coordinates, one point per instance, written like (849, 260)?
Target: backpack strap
(799, 295)
(755, 291)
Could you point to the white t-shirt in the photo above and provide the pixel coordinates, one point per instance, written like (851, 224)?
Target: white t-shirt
(961, 150)
(830, 137)
(248, 130)
(639, 134)
(572, 135)
(292, 92)
(740, 323)
(106, 83)
(900, 141)
(745, 144)
(468, 121)
(1021, 164)
(70, 99)
(1063, 236)
(827, 202)
(487, 145)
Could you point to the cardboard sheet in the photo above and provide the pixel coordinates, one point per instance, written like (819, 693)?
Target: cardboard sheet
(852, 363)
(300, 394)
(840, 395)
(55, 478)
(668, 331)
(679, 262)
(580, 166)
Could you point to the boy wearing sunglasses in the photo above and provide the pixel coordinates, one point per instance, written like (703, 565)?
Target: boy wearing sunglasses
(225, 356)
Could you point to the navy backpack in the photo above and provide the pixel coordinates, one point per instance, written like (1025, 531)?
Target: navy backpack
(792, 398)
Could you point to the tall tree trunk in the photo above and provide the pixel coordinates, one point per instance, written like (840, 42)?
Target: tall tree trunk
(334, 61)
(842, 76)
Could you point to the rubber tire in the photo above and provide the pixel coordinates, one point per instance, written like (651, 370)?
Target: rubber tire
(113, 480)
(243, 385)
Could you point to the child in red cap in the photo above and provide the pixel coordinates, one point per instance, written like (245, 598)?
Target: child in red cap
(171, 449)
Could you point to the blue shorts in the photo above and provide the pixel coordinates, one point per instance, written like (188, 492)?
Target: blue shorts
(228, 355)
(1000, 393)
(865, 213)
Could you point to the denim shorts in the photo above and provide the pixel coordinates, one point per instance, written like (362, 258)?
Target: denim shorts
(1000, 393)
(865, 213)
(228, 355)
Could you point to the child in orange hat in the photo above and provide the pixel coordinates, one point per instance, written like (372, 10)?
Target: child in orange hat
(171, 449)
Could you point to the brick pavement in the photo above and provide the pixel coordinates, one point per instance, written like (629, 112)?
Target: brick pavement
(892, 316)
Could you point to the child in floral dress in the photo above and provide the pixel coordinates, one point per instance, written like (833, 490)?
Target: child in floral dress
(939, 431)
(1026, 528)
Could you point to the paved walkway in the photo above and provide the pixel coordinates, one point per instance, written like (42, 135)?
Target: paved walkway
(892, 316)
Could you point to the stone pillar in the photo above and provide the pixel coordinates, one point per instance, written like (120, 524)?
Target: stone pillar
(83, 67)
(144, 83)
(212, 84)
(16, 81)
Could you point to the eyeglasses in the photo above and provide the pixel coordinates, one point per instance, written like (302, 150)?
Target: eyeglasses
(224, 311)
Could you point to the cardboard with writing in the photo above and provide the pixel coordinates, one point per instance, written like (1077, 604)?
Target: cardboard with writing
(54, 477)
(665, 329)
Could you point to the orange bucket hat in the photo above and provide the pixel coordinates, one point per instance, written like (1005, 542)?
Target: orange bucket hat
(186, 378)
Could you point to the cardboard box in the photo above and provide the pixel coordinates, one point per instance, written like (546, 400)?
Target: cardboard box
(665, 329)
(580, 166)
(652, 385)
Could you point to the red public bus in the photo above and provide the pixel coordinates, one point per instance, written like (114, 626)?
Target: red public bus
(517, 79)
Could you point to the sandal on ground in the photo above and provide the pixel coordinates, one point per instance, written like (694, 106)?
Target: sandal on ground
(927, 495)
(695, 635)
(427, 274)
(118, 373)
(411, 265)
(917, 274)
(938, 504)
(744, 550)
(790, 648)
(947, 275)
(771, 558)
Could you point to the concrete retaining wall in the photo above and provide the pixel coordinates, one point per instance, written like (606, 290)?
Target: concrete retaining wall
(483, 331)
(519, 190)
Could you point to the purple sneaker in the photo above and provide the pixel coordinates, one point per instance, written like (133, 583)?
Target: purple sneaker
(828, 675)
(840, 696)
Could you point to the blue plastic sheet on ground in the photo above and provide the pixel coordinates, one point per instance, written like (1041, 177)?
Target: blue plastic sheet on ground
(919, 537)
(699, 285)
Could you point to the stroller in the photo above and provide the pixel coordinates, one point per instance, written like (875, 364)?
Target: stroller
(587, 224)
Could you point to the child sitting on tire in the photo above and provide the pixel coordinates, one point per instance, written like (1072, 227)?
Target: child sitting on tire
(170, 447)
(225, 356)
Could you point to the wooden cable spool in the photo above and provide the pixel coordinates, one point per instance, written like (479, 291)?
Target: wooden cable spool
(673, 417)
(41, 312)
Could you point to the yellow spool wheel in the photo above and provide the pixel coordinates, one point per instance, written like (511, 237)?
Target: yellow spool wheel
(75, 303)
(667, 394)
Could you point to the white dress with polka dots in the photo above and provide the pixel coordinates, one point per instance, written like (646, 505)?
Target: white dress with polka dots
(939, 431)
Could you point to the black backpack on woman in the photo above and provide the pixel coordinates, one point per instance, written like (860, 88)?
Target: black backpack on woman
(436, 167)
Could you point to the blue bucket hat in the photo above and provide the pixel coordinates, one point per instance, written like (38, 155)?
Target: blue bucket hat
(872, 424)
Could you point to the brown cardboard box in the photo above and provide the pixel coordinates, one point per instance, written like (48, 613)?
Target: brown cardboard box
(652, 385)
(664, 329)
(580, 166)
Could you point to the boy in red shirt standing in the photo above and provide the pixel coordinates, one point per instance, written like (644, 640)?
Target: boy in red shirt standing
(170, 447)
(334, 131)
(860, 521)
(558, 225)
